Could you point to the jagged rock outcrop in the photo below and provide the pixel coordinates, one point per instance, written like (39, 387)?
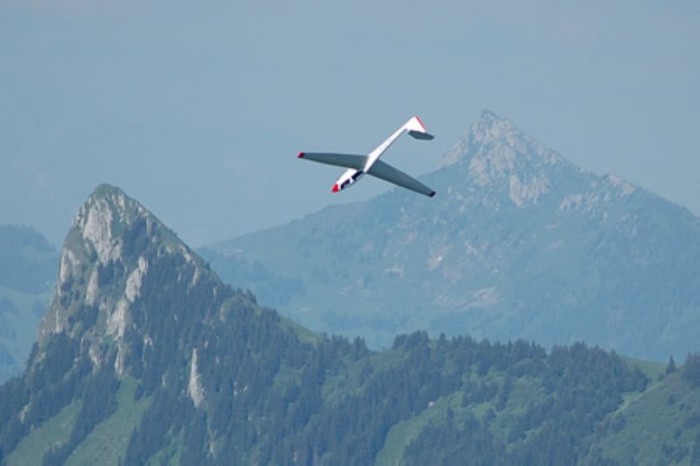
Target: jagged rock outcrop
(112, 246)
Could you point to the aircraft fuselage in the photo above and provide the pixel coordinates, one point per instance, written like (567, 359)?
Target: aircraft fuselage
(347, 179)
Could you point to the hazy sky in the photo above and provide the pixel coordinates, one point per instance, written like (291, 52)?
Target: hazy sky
(198, 109)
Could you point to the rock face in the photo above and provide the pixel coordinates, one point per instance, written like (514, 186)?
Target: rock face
(498, 155)
(518, 243)
(108, 254)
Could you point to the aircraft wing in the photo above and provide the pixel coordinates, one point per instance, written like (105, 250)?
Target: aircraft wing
(340, 160)
(421, 135)
(388, 173)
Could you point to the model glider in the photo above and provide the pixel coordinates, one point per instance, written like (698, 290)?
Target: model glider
(359, 165)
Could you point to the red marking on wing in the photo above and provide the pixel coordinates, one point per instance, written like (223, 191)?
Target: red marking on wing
(300, 155)
(421, 123)
(335, 188)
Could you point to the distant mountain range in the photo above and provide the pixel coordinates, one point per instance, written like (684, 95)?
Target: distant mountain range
(27, 272)
(518, 243)
(146, 357)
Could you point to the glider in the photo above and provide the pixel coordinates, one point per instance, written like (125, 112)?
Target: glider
(359, 165)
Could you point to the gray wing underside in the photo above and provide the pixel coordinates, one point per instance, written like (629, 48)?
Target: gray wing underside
(388, 173)
(379, 169)
(339, 160)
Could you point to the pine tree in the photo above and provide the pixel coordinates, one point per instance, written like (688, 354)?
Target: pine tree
(671, 367)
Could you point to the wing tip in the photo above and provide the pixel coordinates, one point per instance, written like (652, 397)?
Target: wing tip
(432, 194)
(300, 155)
(417, 129)
(420, 122)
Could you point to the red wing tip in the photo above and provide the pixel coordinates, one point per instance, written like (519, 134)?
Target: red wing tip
(335, 188)
(300, 155)
(421, 123)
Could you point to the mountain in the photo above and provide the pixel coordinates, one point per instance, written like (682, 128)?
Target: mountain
(134, 317)
(146, 357)
(518, 243)
(27, 273)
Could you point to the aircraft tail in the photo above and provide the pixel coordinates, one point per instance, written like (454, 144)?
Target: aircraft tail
(416, 128)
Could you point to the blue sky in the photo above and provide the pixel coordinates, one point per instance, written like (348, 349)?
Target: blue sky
(198, 109)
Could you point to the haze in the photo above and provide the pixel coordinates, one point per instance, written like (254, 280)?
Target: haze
(198, 109)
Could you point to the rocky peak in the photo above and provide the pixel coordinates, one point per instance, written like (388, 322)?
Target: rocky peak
(496, 156)
(103, 217)
(113, 244)
(498, 142)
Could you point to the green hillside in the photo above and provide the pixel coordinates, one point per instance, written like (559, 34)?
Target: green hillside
(660, 427)
(423, 400)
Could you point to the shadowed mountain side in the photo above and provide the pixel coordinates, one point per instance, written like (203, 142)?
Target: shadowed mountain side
(27, 273)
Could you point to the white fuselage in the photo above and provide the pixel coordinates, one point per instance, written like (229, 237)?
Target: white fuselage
(347, 179)
(351, 175)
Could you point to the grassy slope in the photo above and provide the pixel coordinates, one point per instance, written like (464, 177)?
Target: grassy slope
(658, 426)
(170, 454)
(349, 381)
(303, 333)
(402, 433)
(667, 414)
(524, 389)
(109, 439)
(106, 444)
(653, 370)
(55, 431)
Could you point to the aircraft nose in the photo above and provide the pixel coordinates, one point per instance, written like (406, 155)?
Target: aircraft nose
(335, 188)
